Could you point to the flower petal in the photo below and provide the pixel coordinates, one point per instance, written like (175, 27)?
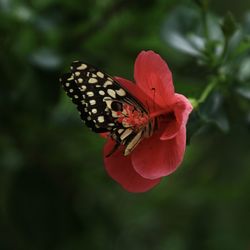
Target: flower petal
(171, 130)
(155, 158)
(135, 91)
(119, 167)
(154, 78)
(104, 135)
(181, 108)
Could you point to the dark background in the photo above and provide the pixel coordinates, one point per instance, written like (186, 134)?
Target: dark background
(54, 192)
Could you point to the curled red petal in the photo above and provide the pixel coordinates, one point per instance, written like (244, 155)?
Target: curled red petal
(155, 158)
(181, 108)
(171, 130)
(154, 78)
(121, 170)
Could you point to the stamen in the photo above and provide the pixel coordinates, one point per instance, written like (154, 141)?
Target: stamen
(130, 117)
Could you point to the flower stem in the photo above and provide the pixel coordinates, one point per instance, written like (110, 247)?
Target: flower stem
(207, 91)
(209, 88)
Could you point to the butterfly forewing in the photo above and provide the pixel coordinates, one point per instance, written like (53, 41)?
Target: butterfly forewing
(98, 98)
(76, 96)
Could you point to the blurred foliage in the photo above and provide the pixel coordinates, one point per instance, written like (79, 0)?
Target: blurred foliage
(54, 192)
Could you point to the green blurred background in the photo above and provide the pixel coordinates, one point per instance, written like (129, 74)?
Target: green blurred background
(54, 192)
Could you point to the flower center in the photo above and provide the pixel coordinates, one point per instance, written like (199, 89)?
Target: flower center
(129, 116)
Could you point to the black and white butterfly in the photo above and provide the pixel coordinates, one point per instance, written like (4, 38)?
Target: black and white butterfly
(106, 106)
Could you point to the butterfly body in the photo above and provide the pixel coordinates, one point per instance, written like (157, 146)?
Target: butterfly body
(107, 107)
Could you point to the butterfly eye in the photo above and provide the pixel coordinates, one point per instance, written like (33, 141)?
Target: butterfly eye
(116, 106)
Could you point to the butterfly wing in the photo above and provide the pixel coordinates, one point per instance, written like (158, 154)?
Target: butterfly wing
(98, 98)
(76, 96)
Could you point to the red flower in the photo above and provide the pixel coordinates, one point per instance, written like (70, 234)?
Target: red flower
(160, 154)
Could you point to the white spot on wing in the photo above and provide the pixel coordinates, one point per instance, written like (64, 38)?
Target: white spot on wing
(92, 80)
(92, 102)
(82, 67)
(112, 93)
(121, 92)
(126, 133)
(100, 119)
(101, 92)
(90, 93)
(114, 114)
(108, 103)
(83, 88)
(100, 74)
(107, 83)
(70, 78)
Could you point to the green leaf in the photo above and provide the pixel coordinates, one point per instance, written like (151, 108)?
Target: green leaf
(194, 125)
(181, 31)
(212, 111)
(238, 44)
(180, 43)
(204, 4)
(244, 91)
(214, 30)
(244, 70)
(46, 58)
(229, 25)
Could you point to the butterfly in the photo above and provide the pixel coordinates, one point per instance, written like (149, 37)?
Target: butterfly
(107, 107)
